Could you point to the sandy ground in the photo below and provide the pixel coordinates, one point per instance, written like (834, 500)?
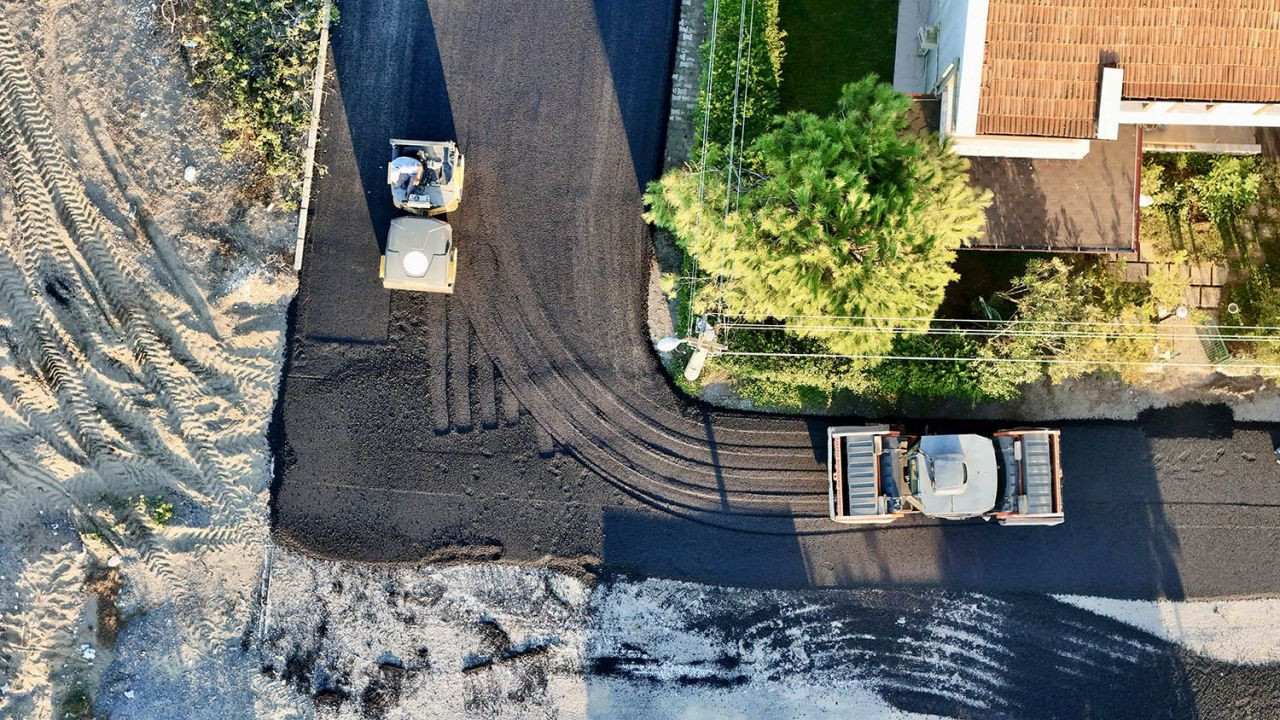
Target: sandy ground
(141, 329)
(503, 641)
(506, 641)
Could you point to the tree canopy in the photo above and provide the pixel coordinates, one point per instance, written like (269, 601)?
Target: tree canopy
(849, 215)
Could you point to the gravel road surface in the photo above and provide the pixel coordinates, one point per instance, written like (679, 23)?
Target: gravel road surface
(527, 415)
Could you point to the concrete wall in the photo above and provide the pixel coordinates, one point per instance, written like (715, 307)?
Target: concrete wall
(1229, 114)
(1019, 146)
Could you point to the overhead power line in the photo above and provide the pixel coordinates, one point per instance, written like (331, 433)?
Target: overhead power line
(736, 182)
(730, 319)
(733, 147)
(706, 131)
(1158, 331)
(1022, 361)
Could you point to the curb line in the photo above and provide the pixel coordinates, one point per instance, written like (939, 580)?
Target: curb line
(317, 95)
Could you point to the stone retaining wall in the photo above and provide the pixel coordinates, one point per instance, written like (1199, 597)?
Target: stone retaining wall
(684, 83)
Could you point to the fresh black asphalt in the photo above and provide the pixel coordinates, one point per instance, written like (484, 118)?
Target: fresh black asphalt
(527, 415)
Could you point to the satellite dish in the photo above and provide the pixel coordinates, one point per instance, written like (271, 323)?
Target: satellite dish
(416, 263)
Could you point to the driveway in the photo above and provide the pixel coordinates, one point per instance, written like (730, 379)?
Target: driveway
(527, 416)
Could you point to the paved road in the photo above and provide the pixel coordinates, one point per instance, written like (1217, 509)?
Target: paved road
(527, 414)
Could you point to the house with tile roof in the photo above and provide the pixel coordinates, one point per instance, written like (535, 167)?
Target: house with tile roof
(1056, 100)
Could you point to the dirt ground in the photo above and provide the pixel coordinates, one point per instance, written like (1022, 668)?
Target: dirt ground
(142, 320)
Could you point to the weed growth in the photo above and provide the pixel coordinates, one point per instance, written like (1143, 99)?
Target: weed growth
(256, 61)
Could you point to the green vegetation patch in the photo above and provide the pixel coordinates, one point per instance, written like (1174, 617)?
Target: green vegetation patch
(1221, 209)
(753, 82)
(256, 60)
(1052, 295)
(788, 383)
(1198, 200)
(75, 704)
(832, 42)
(843, 216)
(835, 214)
(157, 508)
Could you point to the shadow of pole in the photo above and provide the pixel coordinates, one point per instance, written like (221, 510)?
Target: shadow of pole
(715, 459)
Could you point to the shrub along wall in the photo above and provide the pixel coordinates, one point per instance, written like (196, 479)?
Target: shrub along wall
(256, 59)
(760, 76)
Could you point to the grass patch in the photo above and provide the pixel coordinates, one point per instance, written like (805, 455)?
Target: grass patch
(833, 42)
(157, 508)
(75, 705)
(755, 81)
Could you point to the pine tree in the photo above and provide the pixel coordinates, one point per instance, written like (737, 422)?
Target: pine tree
(850, 215)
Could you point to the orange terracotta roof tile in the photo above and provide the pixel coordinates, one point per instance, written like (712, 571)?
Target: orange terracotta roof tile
(1044, 58)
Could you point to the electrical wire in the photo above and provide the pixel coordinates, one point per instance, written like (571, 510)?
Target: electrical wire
(742, 148)
(706, 130)
(885, 318)
(1023, 361)
(1159, 332)
(733, 147)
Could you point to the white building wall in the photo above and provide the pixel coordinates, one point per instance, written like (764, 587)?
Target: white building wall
(962, 34)
(1020, 146)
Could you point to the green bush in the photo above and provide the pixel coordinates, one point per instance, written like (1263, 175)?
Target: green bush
(1230, 186)
(757, 84)
(790, 383)
(1258, 298)
(256, 58)
(806, 383)
(157, 508)
(927, 379)
(1191, 190)
(1054, 294)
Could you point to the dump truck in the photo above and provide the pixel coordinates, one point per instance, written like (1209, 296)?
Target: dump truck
(877, 474)
(425, 179)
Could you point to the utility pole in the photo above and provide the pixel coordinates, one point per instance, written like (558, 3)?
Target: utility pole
(704, 346)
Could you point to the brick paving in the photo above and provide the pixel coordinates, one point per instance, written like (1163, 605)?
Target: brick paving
(1205, 290)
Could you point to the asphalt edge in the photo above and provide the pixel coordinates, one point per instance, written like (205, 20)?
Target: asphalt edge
(317, 98)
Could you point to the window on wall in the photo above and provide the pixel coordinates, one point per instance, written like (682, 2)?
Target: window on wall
(946, 92)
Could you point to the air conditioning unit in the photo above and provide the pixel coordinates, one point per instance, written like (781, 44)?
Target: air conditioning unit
(926, 39)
